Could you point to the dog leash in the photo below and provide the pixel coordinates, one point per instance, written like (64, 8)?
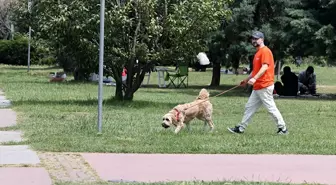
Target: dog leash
(216, 95)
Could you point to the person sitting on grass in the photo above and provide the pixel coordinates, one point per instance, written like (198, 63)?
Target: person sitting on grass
(290, 83)
(289, 79)
(307, 81)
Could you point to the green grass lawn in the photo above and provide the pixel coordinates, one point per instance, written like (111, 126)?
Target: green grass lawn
(63, 117)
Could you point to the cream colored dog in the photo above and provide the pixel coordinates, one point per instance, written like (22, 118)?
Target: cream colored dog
(182, 114)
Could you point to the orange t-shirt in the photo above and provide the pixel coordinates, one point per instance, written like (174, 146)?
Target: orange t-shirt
(263, 56)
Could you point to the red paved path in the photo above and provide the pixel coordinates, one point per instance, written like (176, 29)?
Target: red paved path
(24, 176)
(166, 167)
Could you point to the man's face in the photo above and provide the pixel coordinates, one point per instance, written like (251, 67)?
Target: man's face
(256, 41)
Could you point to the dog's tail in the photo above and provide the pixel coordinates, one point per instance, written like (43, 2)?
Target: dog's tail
(203, 94)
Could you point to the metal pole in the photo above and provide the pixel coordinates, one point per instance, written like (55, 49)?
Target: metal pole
(29, 48)
(29, 35)
(101, 63)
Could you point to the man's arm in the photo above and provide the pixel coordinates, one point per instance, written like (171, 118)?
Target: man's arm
(266, 58)
(248, 78)
(261, 71)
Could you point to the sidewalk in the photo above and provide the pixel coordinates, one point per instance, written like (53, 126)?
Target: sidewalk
(187, 167)
(18, 164)
(24, 176)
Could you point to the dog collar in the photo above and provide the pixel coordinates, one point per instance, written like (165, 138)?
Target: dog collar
(177, 114)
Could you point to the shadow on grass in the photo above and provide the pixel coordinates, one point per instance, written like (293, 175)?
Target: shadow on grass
(194, 90)
(26, 82)
(47, 82)
(94, 102)
(327, 97)
(224, 91)
(32, 68)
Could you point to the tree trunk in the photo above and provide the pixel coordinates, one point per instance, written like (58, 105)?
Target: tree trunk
(131, 83)
(135, 76)
(79, 75)
(216, 74)
(135, 79)
(119, 91)
(129, 95)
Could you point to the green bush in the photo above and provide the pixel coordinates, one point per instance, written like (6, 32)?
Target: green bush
(14, 52)
(314, 60)
(50, 61)
(42, 55)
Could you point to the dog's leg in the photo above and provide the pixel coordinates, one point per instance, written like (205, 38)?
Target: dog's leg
(178, 128)
(208, 118)
(211, 125)
(208, 121)
(180, 123)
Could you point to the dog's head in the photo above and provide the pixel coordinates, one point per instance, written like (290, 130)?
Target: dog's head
(167, 120)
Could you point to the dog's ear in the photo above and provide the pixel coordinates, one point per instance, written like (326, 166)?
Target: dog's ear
(172, 118)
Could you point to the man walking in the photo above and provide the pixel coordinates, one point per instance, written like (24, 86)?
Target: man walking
(262, 79)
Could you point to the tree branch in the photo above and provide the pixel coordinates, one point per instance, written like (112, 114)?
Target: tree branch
(137, 15)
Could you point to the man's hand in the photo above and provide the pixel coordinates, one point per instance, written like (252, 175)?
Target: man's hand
(244, 82)
(251, 81)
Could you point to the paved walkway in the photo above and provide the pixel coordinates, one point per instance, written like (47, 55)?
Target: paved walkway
(19, 165)
(24, 176)
(12, 156)
(188, 167)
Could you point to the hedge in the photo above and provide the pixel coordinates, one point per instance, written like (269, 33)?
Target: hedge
(14, 52)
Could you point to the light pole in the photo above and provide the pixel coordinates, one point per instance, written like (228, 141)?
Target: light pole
(29, 33)
(101, 63)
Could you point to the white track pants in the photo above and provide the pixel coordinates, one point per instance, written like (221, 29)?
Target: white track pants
(257, 98)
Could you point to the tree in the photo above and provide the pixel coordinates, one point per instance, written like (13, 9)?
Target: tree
(151, 35)
(71, 28)
(6, 7)
(148, 31)
(216, 54)
(229, 45)
(288, 29)
(302, 28)
(326, 35)
(131, 33)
